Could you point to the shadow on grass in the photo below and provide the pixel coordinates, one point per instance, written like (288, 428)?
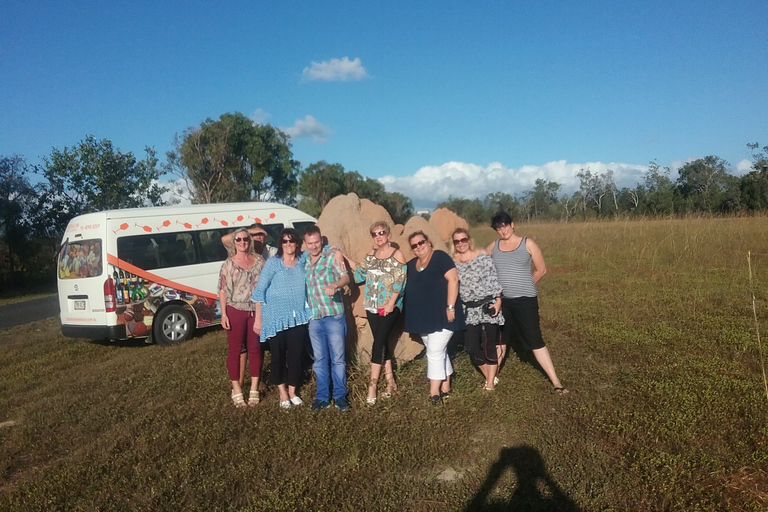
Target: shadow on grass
(535, 490)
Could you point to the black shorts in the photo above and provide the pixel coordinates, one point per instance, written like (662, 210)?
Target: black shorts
(522, 315)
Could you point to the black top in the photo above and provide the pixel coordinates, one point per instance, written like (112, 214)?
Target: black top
(426, 297)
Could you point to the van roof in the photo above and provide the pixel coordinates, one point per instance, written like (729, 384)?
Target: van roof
(150, 211)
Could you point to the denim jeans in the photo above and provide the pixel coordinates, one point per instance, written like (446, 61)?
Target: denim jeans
(328, 335)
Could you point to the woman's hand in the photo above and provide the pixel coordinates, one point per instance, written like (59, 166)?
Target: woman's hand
(496, 306)
(257, 324)
(388, 308)
(451, 314)
(225, 322)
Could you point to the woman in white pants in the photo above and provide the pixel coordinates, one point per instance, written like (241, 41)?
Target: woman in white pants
(431, 309)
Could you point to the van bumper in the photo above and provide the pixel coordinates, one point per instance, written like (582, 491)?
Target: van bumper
(94, 332)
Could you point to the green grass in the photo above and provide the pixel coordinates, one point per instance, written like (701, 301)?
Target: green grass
(649, 324)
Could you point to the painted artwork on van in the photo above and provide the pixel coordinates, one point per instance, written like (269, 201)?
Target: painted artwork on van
(80, 259)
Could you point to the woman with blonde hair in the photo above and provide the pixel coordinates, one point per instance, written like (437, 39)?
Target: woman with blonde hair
(480, 292)
(383, 271)
(237, 280)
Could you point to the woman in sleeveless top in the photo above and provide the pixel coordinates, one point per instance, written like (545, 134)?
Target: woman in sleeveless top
(383, 270)
(237, 279)
(520, 265)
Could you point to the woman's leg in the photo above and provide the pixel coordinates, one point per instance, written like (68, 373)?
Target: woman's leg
(277, 347)
(296, 338)
(439, 366)
(254, 354)
(235, 336)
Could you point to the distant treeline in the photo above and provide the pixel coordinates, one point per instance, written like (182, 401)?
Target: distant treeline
(235, 159)
(701, 186)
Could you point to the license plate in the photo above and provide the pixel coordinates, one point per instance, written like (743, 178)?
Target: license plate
(79, 305)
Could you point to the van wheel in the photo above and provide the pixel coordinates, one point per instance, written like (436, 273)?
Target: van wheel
(173, 324)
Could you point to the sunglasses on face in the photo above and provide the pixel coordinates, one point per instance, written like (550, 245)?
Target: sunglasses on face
(241, 239)
(418, 244)
(287, 241)
(460, 241)
(378, 233)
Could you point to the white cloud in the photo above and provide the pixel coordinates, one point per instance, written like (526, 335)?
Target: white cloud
(743, 167)
(309, 127)
(433, 184)
(334, 70)
(260, 116)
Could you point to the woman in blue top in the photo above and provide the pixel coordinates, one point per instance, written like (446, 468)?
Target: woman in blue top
(383, 270)
(430, 309)
(282, 314)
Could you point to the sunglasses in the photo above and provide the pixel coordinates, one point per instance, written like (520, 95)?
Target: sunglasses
(418, 244)
(241, 239)
(378, 233)
(259, 235)
(287, 241)
(460, 241)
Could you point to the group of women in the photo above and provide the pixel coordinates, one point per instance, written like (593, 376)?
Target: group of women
(489, 293)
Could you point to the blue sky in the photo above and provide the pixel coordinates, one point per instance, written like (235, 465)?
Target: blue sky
(433, 98)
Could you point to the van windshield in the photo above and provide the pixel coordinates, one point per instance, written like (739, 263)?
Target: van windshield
(80, 259)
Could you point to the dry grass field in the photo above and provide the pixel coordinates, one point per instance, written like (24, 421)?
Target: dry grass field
(650, 325)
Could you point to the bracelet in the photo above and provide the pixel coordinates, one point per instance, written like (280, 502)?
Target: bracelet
(450, 307)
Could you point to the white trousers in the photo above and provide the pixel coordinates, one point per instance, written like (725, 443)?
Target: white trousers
(438, 362)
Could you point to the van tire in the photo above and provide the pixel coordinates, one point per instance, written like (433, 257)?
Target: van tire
(173, 324)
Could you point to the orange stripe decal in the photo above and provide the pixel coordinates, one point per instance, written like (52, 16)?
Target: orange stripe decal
(117, 262)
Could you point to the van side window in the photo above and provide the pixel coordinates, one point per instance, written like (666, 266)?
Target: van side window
(210, 245)
(273, 231)
(162, 250)
(301, 226)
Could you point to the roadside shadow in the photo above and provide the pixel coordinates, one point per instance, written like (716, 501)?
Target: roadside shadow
(534, 491)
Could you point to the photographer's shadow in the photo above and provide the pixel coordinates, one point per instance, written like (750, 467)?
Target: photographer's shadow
(535, 490)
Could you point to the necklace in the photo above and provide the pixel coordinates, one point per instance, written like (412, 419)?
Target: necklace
(422, 265)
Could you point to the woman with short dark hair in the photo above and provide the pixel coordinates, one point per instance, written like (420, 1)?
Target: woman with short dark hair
(520, 265)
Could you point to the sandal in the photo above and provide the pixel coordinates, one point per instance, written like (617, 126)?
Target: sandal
(254, 397)
(237, 399)
(371, 400)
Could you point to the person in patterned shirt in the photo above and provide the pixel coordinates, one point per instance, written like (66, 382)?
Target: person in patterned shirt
(326, 275)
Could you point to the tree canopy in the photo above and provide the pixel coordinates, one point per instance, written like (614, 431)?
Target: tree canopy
(320, 182)
(235, 159)
(94, 176)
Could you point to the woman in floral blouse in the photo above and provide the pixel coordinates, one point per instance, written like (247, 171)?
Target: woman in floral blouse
(383, 270)
(480, 292)
(237, 280)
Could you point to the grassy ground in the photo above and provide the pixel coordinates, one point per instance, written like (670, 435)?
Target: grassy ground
(650, 326)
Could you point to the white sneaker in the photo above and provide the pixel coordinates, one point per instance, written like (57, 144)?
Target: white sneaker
(297, 401)
(285, 404)
(495, 381)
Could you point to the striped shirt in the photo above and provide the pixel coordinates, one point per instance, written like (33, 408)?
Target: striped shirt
(320, 275)
(514, 270)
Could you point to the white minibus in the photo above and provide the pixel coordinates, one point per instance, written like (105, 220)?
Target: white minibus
(153, 272)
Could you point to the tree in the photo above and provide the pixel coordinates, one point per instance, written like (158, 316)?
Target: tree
(753, 186)
(702, 183)
(659, 188)
(17, 197)
(235, 159)
(320, 182)
(94, 176)
(542, 198)
(471, 210)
